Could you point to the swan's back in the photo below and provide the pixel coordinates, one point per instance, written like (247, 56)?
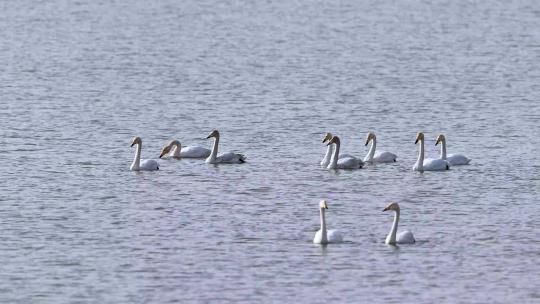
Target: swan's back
(230, 158)
(194, 152)
(435, 164)
(457, 159)
(349, 163)
(384, 157)
(405, 237)
(149, 165)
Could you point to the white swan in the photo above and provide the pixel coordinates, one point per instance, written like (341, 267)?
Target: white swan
(430, 164)
(345, 162)
(329, 150)
(185, 152)
(142, 165)
(324, 236)
(404, 237)
(377, 156)
(452, 159)
(225, 158)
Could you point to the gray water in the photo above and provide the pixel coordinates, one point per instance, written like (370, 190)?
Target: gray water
(79, 79)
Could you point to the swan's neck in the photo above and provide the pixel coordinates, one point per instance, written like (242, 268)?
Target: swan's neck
(324, 234)
(177, 148)
(213, 155)
(443, 149)
(371, 152)
(420, 161)
(326, 159)
(391, 238)
(333, 162)
(135, 166)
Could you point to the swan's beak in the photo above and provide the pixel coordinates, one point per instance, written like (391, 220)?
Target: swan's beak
(132, 144)
(385, 209)
(367, 142)
(437, 142)
(329, 143)
(416, 141)
(324, 140)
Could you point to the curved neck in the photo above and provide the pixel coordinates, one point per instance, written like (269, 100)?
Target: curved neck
(443, 149)
(391, 238)
(420, 161)
(177, 148)
(324, 234)
(135, 166)
(213, 155)
(333, 162)
(371, 152)
(326, 159)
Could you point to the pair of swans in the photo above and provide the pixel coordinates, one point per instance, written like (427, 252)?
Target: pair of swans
(325, 236)
(334, 160)
(175, 150)
(437, 164)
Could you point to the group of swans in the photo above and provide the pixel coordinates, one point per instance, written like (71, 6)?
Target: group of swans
(174, 150)
(325, 236)
(334, 160)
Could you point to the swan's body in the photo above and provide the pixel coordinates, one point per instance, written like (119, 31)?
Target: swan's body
(404, 237)
(430, 164)
(342, 162)
(329, 151)
(175, 150)
(145, 164)
(452, 159)
(323, 235)
(375, 156)
(225, 158)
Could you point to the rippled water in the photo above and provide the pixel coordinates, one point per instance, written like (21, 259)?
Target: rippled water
(79, 79)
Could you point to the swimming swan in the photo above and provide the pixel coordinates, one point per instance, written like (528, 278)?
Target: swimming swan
(329, 150)
(324, 236)
(377, 156)
(142, 165)
(452, 159)
(185, 152)
(345, 162)
(430, 164)
(404, 237)
(225, 158)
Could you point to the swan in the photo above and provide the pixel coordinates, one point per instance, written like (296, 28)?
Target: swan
(429, 164)
(142, 165)
(225, 158)
(377, 156)
(404, 237)
(452, 159)
(185, 152)
(345, 162)
(323, 236)
(329, 150)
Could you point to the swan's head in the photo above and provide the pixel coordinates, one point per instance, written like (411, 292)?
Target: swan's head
(323, 205)
(392, 206)
(136, 141)
(327, 137)
(334, 140)
(169, 147)
(419, 137)
(370, 137)
(214, 134)
(440, 139)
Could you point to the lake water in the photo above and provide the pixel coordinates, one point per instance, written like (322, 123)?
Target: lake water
(80, 79)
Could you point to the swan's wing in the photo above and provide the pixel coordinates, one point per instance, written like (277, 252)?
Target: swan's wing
(384, 157)
(194, 152)
(457, 159)
(405, 237)
(149, 165)
(435, 164)
(231, 158)
(349, 163)
(334, 236)
(346, 156)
